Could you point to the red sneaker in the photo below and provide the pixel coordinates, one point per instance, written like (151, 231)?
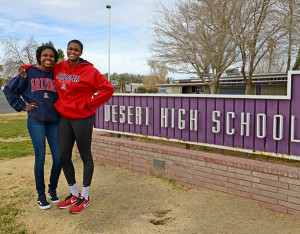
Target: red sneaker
(80, 205)
(69, 201)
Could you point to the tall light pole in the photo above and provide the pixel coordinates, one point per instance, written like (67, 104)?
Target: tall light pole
(108, 7)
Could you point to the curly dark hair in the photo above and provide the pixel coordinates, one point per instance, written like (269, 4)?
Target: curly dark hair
(41, 49)
(77, 42)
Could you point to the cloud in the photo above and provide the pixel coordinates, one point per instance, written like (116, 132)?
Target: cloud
(31, 28)
(92, 13)
(61, 21)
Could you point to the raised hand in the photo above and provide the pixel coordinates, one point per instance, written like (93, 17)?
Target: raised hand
(22, 72)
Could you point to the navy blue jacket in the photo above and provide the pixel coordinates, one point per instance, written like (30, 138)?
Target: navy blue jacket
(38, 87)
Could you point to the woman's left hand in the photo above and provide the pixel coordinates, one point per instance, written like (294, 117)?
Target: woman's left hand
(30, 106)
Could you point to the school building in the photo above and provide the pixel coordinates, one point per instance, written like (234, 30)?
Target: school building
(265, 84)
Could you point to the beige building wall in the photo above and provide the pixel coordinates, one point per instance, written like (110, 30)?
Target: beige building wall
(177, 89)
(273, 89)
(267, 89)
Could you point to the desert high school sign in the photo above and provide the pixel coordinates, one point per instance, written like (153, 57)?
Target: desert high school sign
(134, 115)
(269, 124)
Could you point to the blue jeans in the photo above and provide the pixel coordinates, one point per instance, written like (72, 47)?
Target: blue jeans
(39, 131)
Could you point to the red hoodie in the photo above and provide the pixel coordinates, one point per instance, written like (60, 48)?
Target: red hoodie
(76, 86)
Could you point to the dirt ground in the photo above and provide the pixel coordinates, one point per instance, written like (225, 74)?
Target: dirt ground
(126, 202)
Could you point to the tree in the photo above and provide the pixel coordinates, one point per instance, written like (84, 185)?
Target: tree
(125, 78)
(284, 53)
(258, 27)
(16, 54)
(170, 80)
(291, 10)
(158, 74)
(297, 61)
(1, 70)
(61, 55)
(207, 37)
(122, 81)
(131, 78)
(50, 43)
(265, 67)
(195, 37)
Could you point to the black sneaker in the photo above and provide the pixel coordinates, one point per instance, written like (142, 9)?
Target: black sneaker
(53, 196)
(43, 203)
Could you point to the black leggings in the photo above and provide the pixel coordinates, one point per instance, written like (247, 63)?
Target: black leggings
(79, 130)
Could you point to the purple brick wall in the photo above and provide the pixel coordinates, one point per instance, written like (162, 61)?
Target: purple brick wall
(205, 106)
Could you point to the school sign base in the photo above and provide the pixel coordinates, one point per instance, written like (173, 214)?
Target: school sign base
(273, 186)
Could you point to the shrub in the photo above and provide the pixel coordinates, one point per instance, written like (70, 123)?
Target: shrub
(153, 90)
(141, 89)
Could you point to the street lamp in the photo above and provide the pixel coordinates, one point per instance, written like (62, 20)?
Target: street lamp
(108, 7)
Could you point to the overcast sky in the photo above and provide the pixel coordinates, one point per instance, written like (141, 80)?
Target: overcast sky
(60, 21)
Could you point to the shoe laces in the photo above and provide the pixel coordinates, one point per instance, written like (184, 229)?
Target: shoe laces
(68, 197)
(80, 200)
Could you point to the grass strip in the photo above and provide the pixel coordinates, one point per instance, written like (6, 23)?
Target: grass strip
(12, 128)
(16, 149)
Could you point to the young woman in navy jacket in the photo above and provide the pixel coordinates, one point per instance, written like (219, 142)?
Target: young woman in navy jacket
(77, 81)
(37, 94)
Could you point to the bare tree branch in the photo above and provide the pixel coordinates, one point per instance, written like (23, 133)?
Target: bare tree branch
(17, 54)
(195, 37)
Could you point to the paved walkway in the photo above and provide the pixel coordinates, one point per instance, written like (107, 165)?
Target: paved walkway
(4, 106)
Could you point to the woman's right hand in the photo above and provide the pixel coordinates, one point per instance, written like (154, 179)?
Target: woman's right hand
(22, 72)
(30, 106)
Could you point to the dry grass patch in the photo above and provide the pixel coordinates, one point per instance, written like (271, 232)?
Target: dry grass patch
(126, 202)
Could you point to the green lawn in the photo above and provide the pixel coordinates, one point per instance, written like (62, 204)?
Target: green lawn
(12, 127)
(16, 149)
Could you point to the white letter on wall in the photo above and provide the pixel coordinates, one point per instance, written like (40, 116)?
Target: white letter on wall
(245, 123)
(114, 113)
(293, 130)
(275, 129)
(193, 120)
(147, 116)
(173, 118)
(122, 113)
(107, 113)
(164, 117)
(181, 123)
(138, 115)
(217, 128)
(129, 114)
(229, 115)
(260, 126)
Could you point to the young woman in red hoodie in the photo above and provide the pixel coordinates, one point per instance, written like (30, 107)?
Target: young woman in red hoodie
(77, 81)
